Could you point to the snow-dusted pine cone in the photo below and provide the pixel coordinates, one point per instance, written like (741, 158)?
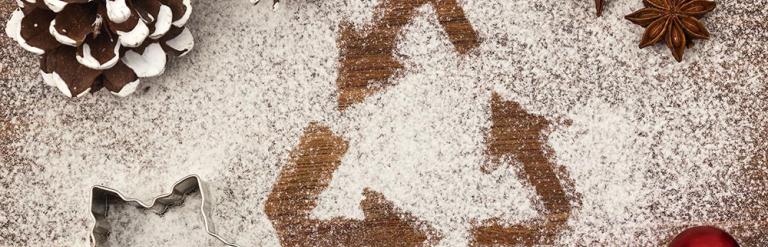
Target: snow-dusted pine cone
(90, 44)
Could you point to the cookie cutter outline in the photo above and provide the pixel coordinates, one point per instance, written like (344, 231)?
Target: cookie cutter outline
(102, 196)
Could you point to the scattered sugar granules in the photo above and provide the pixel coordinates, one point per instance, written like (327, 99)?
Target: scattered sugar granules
(653, 144)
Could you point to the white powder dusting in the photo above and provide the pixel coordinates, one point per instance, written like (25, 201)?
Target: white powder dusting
(421, 143)
(163, 22)
(183, 42)
(136, 227)
(135, 37)
(653, 144)
(118, 11)
(148, 64)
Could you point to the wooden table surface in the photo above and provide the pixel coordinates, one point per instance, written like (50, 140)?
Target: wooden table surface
(367, 64)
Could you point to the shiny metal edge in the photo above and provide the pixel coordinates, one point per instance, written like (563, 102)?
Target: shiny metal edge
(101, 197)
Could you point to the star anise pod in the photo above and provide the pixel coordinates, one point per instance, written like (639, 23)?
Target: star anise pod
(673, 20)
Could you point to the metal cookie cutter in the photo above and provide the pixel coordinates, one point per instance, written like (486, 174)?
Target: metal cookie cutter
(102, 197)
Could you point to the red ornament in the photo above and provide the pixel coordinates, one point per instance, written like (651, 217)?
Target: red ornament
(704, 236)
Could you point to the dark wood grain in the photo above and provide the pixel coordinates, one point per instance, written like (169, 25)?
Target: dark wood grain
(296, 192)
(366, 59)
(599, 5)
(367, 64)
(517, 134)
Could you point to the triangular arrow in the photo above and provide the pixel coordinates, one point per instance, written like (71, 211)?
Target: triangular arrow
(366, 57)
(296, 192)
(517, 133)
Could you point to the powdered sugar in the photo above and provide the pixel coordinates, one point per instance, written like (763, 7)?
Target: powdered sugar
(187, 13)
(652, 144)
(118, 11)
(163, 22)
(62, 38)
(183, 42)
(89, 61)
(148, 64)
(13, 30)
(55, 5)
(128, 89)
(135, 36)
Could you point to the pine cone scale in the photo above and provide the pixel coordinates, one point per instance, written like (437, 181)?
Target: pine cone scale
(149, 63)
(71, 77)
(118, 11)
(158, 16)
(33, 30)
(120, 80)
(163, 22)
(178, 41)
(99, 52)
(132, 32)
(55, 5)
(73, 24)
(181, 10)
(28, 7)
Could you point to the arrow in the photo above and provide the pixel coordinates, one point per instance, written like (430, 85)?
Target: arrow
(517, 133)
(366, 58)
(296, 192)
(599, 6)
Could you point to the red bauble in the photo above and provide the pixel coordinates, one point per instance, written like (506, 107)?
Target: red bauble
(704, 236)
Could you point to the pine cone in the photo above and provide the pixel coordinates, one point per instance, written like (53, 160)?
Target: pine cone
(90, 44)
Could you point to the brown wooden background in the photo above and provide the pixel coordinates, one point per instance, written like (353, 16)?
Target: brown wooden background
(366, 65)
